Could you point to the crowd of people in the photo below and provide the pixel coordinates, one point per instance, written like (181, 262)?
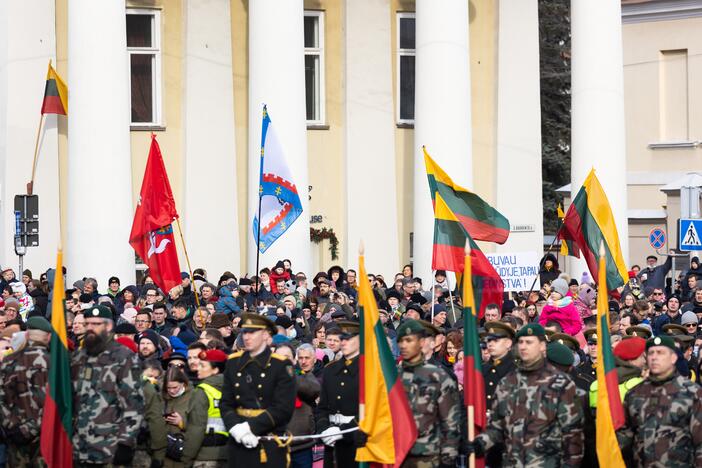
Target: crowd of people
(223, 373)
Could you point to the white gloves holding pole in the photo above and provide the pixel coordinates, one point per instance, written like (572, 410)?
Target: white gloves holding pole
(242, 434)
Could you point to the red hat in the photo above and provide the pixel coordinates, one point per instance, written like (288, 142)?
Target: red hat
(632, 274)
(128, 342)
(630, 349)
(213, 355)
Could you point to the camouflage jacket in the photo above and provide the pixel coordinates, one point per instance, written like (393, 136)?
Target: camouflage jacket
(538, 416)
(663, 423)
(435, 402)
(108, 402)
(23, 380)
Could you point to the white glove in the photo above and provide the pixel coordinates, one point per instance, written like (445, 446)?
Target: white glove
(238, 431)
(331, 436)
(249, 440)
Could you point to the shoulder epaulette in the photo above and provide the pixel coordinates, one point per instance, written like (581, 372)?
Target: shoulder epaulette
(235, 355)
(279, 357)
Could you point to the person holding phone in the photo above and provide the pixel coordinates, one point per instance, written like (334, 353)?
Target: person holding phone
(176, 397)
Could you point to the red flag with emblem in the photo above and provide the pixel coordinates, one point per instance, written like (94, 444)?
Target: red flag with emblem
(152, 231)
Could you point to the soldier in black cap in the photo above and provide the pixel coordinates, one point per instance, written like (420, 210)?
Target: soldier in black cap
(258, 397)
(500, 338)
(338, 403)
(587, 368)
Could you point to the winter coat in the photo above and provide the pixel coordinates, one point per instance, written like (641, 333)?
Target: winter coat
(565, 313)
(302, 422)
(275, 277)
(227, 302)
(655, 277)
(41, 299)
(548, 275)
(180, 405)
(197, 425)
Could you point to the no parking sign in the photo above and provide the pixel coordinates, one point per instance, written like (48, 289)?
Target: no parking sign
(657, 238)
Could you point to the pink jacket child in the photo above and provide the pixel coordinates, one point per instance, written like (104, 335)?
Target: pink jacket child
(565, 313)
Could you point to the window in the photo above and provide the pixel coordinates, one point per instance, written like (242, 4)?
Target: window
(405, 67)
(144, 48)
(314, 67)
(673, 95)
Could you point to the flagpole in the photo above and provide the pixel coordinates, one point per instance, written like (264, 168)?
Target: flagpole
(433, 294)
(543, 259)
(453, 310)
(187, 259)
(471, 433)
(258, 228)
(30, 185)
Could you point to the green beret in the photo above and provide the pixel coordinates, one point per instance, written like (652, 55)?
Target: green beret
(410, 327)
(98, 311)
(532, 329)
(559, 353)
(666, 341)
(39, 323)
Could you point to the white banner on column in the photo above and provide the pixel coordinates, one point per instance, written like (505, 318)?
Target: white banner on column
(517, 270)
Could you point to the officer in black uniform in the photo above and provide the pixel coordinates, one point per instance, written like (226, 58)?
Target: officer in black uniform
(338, 402)
(499, 337)
(587, 369)
(258, 398)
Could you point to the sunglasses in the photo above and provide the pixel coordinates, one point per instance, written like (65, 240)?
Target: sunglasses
(180, 365)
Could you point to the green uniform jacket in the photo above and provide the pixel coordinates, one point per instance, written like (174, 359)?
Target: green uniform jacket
(197, 425)
(180, 405)
(153, 415)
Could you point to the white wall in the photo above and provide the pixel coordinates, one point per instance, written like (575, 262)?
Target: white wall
(27, 42)
(209, 216)
(370, 139)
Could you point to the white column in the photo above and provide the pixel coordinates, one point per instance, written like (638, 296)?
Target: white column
(210, 188)
(519, 124)
(598, 133)
(276, 78)
(370, 137)
(27, 42)
(442, 111)
(100, 210)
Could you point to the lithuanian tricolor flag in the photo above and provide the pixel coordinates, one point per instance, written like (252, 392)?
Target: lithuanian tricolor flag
(561, 216)
(450, 238)
(480, 220)
(57, 421)
(473, 383)
(384, 412)
(610, 413)
(55, 94)
(588, 222)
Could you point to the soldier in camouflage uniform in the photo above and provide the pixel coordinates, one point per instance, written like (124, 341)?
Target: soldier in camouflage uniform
(537, 414)
(23, 380)
(663, 414)
(434, 400)
(108, 401)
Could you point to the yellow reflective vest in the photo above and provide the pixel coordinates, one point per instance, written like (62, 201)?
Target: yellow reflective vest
(623, 388)
(215, 425)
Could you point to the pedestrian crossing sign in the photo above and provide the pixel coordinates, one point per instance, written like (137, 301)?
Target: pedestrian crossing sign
(690, 230)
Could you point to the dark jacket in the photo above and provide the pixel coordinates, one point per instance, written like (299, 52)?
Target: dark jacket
(655, 277)
(548, 275)
(302, 422)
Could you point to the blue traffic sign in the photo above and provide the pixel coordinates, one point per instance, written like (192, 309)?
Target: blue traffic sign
(657, 238)
(689, 234)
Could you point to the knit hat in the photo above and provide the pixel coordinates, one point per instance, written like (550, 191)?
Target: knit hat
(284, 321)
(12, 303)
(560, 286)
(18, 287)
(149, 335)
(219, 320)
(689, 317)
(129, 314)
(126, 329)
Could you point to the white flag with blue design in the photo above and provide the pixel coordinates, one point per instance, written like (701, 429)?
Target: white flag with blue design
(280, 203)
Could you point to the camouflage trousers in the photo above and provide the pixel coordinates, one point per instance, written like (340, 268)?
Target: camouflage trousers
(24, 456)
(431, 461)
